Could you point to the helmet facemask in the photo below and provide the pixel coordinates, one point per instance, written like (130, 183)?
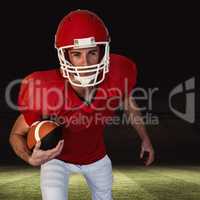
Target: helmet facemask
(96, 72)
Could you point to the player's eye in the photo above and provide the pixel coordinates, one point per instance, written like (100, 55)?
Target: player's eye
(94, 53)
(77, 54)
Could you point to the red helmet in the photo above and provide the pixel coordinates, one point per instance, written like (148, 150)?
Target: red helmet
(80, 24)
(82, 29)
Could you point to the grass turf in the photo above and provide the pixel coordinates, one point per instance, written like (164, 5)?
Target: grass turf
(134, 183)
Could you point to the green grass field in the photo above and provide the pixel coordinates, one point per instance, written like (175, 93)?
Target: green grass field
(134, 183)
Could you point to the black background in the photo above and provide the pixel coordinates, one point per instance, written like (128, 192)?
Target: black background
(162, 38)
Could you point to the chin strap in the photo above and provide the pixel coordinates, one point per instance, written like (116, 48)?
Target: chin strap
(85, 80)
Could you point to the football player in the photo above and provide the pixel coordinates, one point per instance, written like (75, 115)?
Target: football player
(87, 89)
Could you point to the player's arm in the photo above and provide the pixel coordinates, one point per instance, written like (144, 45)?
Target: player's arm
(18, 142)
(17, 138)
(134, 114)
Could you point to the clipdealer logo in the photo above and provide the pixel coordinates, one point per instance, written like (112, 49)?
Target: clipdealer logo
(187, 88)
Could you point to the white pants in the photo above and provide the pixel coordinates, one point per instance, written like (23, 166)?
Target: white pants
(54, 179)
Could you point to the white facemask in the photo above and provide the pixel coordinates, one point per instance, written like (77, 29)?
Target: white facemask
(85, 80)
(69, 70)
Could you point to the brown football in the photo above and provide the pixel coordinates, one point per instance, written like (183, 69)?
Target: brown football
(48, 132)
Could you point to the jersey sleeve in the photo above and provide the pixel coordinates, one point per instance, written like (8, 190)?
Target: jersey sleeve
(27, 99)
(130, 77)
(123, 74)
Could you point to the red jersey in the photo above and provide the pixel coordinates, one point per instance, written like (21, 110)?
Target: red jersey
(46, 94)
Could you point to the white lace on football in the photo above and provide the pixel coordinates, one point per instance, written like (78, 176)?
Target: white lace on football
(37, 129)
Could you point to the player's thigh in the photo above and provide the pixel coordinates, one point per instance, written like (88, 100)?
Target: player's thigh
(99, 175)
(54, 178)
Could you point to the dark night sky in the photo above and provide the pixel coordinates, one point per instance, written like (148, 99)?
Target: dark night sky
(161, 38)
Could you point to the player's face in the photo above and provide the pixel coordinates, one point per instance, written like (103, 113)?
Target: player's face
(84, 57)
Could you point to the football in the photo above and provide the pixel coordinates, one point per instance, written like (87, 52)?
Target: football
(46, 131)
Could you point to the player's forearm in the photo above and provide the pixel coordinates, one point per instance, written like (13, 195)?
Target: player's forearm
(138, 123)
(135, 117)
(19, 146)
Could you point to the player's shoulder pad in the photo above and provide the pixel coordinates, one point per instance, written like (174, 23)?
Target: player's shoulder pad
(122, 72)
(36, 84)
(43, 76)
(122, 64)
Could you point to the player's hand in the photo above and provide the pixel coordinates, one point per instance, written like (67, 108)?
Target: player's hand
(39, 156)
(147, 152)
